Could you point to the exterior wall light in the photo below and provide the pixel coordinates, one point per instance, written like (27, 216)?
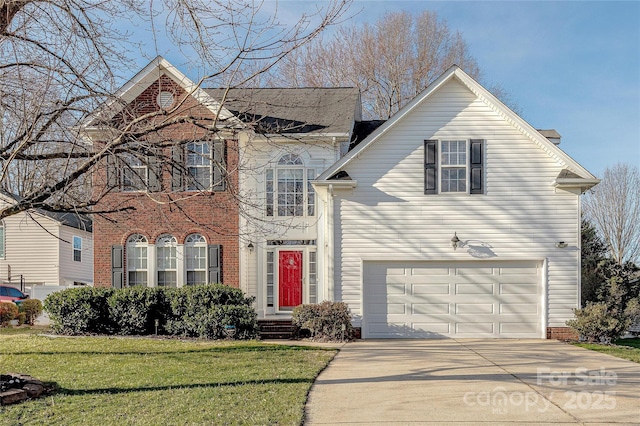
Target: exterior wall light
(250, 247)
(562, 244)
(455, 241)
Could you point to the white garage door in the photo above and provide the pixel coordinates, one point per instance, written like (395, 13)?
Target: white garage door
(473, 299)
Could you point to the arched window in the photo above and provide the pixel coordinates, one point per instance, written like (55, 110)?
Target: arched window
(137, 265)
(288, 188)
(196, 259)
(166, 261)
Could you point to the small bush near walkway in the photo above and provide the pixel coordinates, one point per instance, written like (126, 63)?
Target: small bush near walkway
(205, 311)
(326, 321)
(8, 312)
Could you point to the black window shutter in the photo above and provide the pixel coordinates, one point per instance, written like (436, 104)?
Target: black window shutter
(219, 176)
(215, 251)
(155, 171)
(430, 166)
(476, 174)
(177, 168)
(117, 266)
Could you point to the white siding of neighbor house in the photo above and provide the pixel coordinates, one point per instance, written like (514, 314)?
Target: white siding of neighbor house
(519, 216)
(70, 270)
(31, 249)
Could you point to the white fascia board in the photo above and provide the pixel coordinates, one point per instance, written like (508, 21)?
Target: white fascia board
(496, 104)
(337, 184)
(147, 76)
(483, 94)
(370, 140)
(572, 183)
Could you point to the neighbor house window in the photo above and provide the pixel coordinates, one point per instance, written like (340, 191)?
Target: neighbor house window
(137, 265)
(288, 188)
(77, 249)
(167, 261)
(454, 166)
(195, 247)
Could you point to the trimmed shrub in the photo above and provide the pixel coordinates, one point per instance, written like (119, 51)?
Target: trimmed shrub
(325, 321)
(32, 308)
(133, 310)
(595, 323)
(80, 310)
(197, 311)
(8, 312)
(204, 311)
(22, 318)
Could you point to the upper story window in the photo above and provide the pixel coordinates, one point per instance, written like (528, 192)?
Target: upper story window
(199, 166)
(134, 174)
(137, 262)
(453, 166)
(77, 249)
(288, 188)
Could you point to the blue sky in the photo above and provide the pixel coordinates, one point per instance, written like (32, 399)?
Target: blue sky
(569, 65)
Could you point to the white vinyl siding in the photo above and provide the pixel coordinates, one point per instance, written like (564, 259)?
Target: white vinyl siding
(519, 216)
(42, 252)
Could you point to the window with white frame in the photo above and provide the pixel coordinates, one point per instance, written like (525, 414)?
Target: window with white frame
(167, 261)
(454, 166)
(453, 160)
(195, 247)
(137, 264)
(199, 166)
(288, 188)
(77, 249)
(134, 174)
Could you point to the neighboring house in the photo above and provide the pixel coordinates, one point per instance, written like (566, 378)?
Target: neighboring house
(183, 228)
(455, 218)
(39, 247)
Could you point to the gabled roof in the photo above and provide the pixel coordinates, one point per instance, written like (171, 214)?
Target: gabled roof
(145, 78)
(491, 101)
(74, 220)
(287, 111)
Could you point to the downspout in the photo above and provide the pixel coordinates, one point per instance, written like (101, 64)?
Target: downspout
(329, 246)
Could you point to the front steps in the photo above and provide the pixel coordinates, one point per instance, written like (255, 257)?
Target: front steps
(275, 329)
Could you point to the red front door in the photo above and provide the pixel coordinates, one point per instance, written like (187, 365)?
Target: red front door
(290, 278)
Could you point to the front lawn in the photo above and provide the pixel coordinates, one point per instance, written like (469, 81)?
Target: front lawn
(139, 381)
(624, 348)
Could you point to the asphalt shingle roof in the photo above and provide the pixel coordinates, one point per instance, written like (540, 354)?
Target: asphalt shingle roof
(293, 110)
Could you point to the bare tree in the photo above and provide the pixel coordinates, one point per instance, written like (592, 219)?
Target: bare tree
(390, 61)
(61, 60)
(614, 208)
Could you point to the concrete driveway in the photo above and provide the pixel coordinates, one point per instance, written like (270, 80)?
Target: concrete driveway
(474, 381)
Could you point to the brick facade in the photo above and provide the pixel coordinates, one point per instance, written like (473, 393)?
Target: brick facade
(215, 215)
(561, 333)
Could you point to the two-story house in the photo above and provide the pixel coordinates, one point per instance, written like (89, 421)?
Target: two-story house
(454, 218)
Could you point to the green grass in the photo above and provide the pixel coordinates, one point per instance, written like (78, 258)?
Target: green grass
(623, 348)
(127, 381)
(24, 329)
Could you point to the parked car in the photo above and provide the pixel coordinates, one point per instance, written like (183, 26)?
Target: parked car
(11, 294)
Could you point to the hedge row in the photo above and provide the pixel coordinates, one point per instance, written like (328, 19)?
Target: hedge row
(204, 311)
